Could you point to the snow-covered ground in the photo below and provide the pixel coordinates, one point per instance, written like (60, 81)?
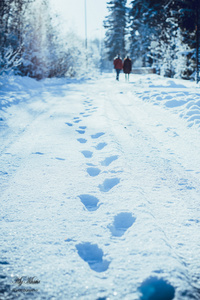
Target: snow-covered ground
(100, 189)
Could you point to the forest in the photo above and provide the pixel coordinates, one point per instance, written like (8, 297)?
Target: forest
(163, 34)
(32, 42)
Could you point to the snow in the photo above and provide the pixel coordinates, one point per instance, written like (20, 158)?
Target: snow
(100, 188)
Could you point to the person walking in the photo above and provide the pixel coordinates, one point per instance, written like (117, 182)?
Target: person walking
(127, 67)
(118, 65)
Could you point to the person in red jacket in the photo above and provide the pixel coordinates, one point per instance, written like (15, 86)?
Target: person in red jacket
(118, 65)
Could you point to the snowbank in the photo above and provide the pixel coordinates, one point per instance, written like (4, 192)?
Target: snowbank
(100, 188)
(15, 89)
(180, 96)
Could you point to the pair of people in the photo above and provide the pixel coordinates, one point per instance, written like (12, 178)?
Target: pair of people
(126, 65)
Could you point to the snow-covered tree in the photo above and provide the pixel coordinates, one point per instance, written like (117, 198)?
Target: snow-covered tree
(187, 22)
(11, 23)
(146, 24)
(115, 25)
(163, 34)
(32, 43)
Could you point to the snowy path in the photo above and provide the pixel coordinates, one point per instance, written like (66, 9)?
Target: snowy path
(100, 193)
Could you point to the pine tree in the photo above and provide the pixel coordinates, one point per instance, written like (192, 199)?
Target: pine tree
(186, 14)
(146, 25)
(115, 25)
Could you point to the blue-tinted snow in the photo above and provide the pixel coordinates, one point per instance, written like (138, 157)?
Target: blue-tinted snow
(99, 188)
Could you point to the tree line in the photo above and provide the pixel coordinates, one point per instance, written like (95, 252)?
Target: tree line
(32, 42)
(163, 34)
(156, 33)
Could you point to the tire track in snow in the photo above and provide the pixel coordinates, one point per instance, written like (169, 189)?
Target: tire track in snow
(118, 226)
(129, 133)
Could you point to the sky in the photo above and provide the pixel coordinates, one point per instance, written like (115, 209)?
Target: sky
(73, 14)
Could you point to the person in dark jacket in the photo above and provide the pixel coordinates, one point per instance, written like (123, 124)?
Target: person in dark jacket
(127, 67)
(118, 65)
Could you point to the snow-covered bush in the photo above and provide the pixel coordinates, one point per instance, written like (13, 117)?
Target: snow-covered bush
(9, 61)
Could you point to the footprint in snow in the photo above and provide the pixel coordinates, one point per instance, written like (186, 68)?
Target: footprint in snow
(3, 262)
(87, 154)
(108, 184)
(82, 141)
(100, 146)
(90, 202)
(97, 135)
(59, 158)
(121, 223)
(93, 171)
(38, 153)
(80, 131)
(156, 289)
(3, 173)
(107, 161)
(82, 127)
(69, 124)
(76, 120)
(93, 255)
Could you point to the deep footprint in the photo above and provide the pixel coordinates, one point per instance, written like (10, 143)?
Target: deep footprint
(82, 141)
(93, 171)
(100, 146)
(107, 161)
(97, 135)
(121, 223)
(87, 154)
(156, 289)
(108, 184)
(90, 202)
(69, 124)
(93, 255)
